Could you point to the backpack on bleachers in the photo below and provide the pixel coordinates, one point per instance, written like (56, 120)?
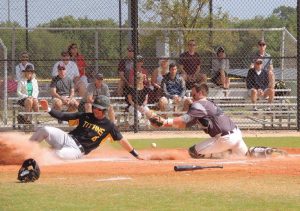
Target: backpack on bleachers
(281, 85)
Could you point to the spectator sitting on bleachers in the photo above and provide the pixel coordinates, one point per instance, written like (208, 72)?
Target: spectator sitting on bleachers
(267, 64)
(220, 67)
(94, 89)
(78, 58)
(190, 66)
(257, 82)
(140, 69)
(174, 91)
(125, 65)
(156, 79)
(24, 58)
(72, 72)
(142, 93)
(62, 90)
(28, 91)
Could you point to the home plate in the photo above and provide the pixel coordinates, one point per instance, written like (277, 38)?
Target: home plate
(113, 179)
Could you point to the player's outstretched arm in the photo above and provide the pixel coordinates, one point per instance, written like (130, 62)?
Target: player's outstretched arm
(158, 121)
(127, 146)
(176, 122)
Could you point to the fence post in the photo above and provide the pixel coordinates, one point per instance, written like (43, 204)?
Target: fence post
(97, 50)
(282, 52)
(298, 65)
(5, 83)
(134, 41)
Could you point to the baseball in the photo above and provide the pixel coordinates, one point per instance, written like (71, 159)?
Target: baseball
(153, 145)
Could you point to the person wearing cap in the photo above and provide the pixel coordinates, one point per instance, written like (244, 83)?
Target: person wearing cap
(124, 67)
(28, 91)
(156, 79)
(257, 82)
(220, 67)
(92, 129)
(190, 66)
(267, 64)
(24, 60)
(72, 72)
(62, 90)
(94, 89)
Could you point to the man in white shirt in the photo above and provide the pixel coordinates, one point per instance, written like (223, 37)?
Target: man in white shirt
(72, 72)
(24, 58)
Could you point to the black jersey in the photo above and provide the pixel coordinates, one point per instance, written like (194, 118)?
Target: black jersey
(141, 95)
(90, 131)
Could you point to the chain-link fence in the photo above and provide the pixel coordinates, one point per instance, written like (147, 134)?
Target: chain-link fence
(217, 42)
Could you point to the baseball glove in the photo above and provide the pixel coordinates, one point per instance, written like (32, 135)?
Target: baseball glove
(29, 172)
(157, 121)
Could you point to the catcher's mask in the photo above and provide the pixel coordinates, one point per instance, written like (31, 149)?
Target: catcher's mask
(29, 171)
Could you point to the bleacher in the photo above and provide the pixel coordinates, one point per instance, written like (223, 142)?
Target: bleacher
(234, 101)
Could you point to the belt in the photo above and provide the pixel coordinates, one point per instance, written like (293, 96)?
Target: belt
(228, 132)
(80, 147)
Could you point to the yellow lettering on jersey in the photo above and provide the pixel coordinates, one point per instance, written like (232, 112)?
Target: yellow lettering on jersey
(96, 128)
(95, 138)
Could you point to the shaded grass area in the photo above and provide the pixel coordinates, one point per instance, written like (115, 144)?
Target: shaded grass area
(293, 142)
(178, 193)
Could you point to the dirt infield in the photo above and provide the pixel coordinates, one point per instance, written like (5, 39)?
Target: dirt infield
(113, 164)
(118, 164)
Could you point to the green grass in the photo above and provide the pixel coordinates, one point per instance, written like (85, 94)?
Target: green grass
(266, 193)
(293, 142)
(186, 191)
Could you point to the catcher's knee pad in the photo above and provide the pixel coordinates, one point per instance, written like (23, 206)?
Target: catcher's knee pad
(193, 153)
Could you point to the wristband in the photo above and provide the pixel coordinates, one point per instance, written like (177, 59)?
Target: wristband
(134, 153)
(169, 122)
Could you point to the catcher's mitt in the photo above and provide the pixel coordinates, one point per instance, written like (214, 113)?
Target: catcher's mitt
(29, 172)
(259, 152)
(157, 121)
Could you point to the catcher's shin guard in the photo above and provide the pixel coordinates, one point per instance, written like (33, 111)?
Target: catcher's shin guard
(258, 152)
(193, 153)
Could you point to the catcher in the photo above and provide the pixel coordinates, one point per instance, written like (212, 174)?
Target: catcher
(225, 136)
(92, 129)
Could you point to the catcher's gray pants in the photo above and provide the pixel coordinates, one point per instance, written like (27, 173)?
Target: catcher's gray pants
(64, 145)
(233, 141)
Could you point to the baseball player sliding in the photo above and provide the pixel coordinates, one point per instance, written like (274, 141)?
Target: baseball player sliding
(224, 134)
(92, 129)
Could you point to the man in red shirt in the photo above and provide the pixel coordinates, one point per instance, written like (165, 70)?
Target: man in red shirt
(189, 66)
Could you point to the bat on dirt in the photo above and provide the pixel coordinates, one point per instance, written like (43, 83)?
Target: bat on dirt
(193, 167)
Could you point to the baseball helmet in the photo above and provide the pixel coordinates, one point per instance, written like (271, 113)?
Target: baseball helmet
(101, 102)
(28, 68)
(29, 171)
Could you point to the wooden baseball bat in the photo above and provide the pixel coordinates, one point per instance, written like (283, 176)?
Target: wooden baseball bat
(193, 167)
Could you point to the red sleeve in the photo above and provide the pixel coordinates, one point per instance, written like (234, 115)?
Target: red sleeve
(131, 77)
(81, 64)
